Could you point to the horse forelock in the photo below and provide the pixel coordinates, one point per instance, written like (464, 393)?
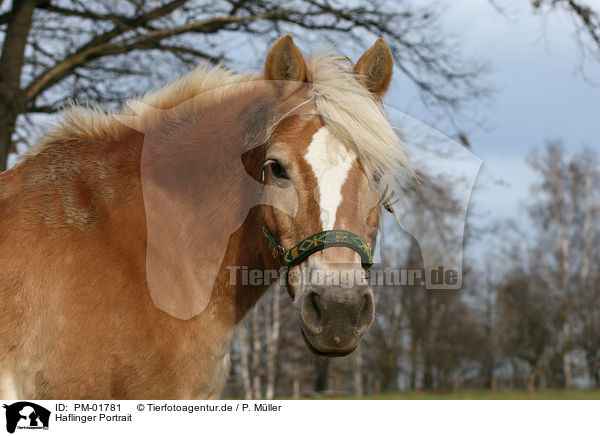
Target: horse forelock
(357, 119)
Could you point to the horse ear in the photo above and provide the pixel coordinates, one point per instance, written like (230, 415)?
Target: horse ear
(284, 61)
(375, 67)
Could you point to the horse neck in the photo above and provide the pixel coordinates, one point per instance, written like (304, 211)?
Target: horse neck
(248, 250)
(247, 246)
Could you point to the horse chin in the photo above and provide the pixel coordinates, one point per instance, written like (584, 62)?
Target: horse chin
(328, 353)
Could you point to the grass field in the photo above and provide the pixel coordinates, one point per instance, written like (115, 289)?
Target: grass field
(487, 395)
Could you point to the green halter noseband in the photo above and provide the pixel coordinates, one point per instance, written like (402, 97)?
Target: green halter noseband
(317, 242)
(314, 243)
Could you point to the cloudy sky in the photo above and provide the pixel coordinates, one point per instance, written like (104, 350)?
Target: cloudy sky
(540, 95)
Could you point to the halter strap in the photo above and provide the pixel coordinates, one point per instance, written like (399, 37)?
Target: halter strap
(318, 242)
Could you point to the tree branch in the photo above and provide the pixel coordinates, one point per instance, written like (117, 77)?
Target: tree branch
(92, 51)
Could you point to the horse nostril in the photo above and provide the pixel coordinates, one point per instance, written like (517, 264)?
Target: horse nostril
(365, 314)
(312, 312)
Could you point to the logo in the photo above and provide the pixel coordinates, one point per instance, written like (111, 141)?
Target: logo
(26, 415)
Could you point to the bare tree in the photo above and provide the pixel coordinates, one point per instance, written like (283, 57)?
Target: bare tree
(528, 333)
(566, 212)
(586, 20)
(255, 349)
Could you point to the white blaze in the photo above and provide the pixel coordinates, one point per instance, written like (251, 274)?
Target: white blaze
(330, 162)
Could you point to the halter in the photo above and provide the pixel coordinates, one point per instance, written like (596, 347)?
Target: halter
(314, 243)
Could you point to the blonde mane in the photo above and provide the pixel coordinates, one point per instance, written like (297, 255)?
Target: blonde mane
(91, 122)
(348, 109)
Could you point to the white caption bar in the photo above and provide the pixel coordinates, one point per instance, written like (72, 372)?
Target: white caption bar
(299, 417)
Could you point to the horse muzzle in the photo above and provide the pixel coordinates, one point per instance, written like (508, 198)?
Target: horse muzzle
(334, 318)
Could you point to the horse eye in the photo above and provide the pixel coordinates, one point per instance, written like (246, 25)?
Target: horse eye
(277, 170)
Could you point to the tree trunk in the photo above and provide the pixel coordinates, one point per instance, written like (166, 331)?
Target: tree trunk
(7, 123)
(567, 356)
(455, 385)
(593, 365)
(388, 372)
(377, 387)
(427, 371)
(414, 383)
(531, 383)
(243, 341)
(358, 382)
(256, 387)
(12, 101)
(322, 369)
(429, 343)
(272, 321)
(542, 379)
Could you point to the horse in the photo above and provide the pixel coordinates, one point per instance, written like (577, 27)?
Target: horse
(117, 277)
